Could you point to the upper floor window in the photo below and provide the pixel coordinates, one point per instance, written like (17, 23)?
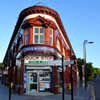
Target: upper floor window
(51, 36)
(39, 35)
(58, 45)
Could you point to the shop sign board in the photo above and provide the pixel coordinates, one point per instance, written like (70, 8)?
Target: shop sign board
(48, 62)
(38, 48)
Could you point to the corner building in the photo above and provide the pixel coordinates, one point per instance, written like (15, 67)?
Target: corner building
(38, 38)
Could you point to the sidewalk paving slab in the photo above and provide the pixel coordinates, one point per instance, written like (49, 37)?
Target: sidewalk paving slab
(81, 94)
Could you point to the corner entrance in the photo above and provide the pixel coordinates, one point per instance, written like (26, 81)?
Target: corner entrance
(38, 81)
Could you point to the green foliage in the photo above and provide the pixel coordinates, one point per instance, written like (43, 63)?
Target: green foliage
(1, 65)
(80, 62)
(91, 71)
(96, 72)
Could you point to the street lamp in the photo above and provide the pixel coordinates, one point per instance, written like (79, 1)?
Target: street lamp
(84, 79)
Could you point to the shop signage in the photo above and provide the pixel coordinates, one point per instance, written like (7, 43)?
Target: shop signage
(38, 49)
(48, 62)
(39, 58)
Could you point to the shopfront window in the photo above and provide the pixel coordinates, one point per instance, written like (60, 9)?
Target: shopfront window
(39, 35)
(38, 81)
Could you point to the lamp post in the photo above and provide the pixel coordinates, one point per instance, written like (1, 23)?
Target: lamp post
(84, 79)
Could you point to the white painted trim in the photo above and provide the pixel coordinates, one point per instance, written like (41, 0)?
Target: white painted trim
(48, 17)
(30, 67)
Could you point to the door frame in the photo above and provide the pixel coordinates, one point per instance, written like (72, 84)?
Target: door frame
(37, 71)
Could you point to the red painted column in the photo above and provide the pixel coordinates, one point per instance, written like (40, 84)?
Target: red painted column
(61, 46)
(47, 36)
(31, 35)
(21, 77)
(67, 71)
(24, 37)
(55, 80)
(67, 74)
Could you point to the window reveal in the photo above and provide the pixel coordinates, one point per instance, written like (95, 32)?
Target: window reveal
(27, 36)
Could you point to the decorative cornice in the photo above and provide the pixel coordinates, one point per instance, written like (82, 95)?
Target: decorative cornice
(38, 21)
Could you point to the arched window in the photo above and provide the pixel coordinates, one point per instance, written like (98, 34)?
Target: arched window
(58, 45)
(39, 35)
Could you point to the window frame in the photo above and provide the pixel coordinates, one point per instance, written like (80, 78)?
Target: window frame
(63, 51)
(39, 34)
(26, 36)
(58, 45)
(51, 36)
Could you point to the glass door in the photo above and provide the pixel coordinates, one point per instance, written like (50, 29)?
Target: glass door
(38, 81)
(44, 80)
(32, 82)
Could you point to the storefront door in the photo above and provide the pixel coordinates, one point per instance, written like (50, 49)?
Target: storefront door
(38, 81)
(32, 82)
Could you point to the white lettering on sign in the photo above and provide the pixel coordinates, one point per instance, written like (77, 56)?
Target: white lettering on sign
(27, 58)
(38, 48)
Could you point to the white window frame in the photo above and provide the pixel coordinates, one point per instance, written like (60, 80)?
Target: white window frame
(58, 45)
(26, 36)
(51, 36)
(38, 34)
(64, 51)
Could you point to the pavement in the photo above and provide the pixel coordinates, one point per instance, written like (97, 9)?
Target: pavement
(96, 84)
(79, 94)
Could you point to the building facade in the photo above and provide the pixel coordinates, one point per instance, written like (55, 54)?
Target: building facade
(38, 40)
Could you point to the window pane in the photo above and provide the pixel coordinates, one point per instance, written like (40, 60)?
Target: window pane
(51, 31)
(36, 38)
(51, 40)
(51, 36)
(41, 39)
(58, 45)
(36, 30)
(41, 30)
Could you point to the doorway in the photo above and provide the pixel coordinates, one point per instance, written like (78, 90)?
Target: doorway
(38, 81)
(32, 82)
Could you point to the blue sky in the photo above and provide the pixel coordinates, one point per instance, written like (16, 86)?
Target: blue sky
(81, 20)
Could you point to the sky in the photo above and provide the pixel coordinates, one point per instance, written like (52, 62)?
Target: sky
(81, 20)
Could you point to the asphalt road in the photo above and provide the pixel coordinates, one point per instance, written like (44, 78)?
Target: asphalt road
(96, 84)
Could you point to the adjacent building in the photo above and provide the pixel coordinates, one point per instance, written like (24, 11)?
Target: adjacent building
(38, 40)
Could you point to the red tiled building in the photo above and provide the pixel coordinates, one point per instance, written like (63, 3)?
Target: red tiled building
(38, 38)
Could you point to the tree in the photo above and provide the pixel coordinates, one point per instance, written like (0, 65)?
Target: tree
(80, 62)
(96, 72)
(1, 65)
(90, 69)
